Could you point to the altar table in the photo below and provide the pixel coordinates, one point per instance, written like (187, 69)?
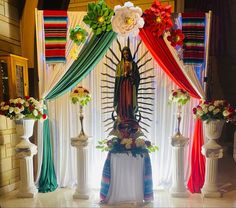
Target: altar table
(126, 179)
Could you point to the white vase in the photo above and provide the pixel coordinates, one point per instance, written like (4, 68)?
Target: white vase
(213, 128)
(27, 132)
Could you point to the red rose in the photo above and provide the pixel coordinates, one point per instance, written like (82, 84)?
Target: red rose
(27, 97)
(174, 94)
(44, 116)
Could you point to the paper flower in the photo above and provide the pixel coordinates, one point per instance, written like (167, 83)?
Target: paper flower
(214, 110)
(127, 20)
(20, 108)
(176, 37)
(80, 95)
(78, 35)
(158, 18)
(99, 17)
(179, 96)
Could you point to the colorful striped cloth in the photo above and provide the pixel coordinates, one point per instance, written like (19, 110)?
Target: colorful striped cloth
(193, 27)
(147, 179)
(55, 29)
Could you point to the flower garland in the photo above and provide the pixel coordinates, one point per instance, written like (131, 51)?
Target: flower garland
(20, 108)
(179, 96)
(99, 17)
(214, 110)
(127, 20)
(80, 95)
(134, 146)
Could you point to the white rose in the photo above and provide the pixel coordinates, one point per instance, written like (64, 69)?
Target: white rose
(26, 104)
(200, 112)
(226, 113)
(205, 110)
(17, 110)
(217, 110)
(211, 107)
(11, 109)
(2, 104)
(6, 107)
(20, 100)
(35, 112)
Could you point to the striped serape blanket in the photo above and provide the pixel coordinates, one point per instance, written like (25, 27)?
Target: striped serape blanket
(147, 179)
(55, 28)
(193, 27)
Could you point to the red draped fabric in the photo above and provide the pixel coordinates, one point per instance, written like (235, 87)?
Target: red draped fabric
(164, 58)
(196, 179)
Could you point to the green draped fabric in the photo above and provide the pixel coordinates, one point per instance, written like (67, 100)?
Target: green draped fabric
(88, 58)
(47, 180)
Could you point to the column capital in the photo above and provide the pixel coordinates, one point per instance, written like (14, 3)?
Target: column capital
(25, 149)
(80, 142)
(178, 140)
(212, 153)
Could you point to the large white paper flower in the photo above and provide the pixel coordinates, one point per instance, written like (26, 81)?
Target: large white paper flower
(127, 20)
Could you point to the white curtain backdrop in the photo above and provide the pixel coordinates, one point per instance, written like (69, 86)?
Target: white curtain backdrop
(49, 75)
(64, 120)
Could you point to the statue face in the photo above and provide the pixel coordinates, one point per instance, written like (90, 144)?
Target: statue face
(126, 55)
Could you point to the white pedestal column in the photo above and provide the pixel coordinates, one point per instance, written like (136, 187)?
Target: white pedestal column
(25, 150)
(212, 151)
(82, 191)
(178, 188)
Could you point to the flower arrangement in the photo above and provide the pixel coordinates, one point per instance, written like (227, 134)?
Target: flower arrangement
(176, 37)
(126, 145)
(99, 17)
(80, 95)
(179, 96)
(214, 110)
(78, 35)
(20, 108)
(127, 19)
(158, 18)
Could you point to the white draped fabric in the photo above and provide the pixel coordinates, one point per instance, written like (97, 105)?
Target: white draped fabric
(64, 120)
(128, 170)
(50, 74)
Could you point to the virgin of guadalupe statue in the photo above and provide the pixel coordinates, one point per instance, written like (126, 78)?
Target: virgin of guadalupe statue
(126, 87)
(125, 94)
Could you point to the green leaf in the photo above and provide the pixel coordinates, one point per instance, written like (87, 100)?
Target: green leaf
(109, 27)
(106, 12)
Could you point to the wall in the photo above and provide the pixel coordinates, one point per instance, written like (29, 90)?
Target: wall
(10, 28)
(9, 164)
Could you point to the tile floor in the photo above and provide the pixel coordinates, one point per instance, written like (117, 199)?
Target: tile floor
(63, 198)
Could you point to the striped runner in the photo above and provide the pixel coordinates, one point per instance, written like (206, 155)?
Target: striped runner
(55, 29)
(193, 27)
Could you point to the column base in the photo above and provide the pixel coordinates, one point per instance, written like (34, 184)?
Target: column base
(211, 194)
(78, 195)
(31, 194)
(179, 194)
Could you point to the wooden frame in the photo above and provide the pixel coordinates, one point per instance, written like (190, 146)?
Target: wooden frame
(17, 69)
